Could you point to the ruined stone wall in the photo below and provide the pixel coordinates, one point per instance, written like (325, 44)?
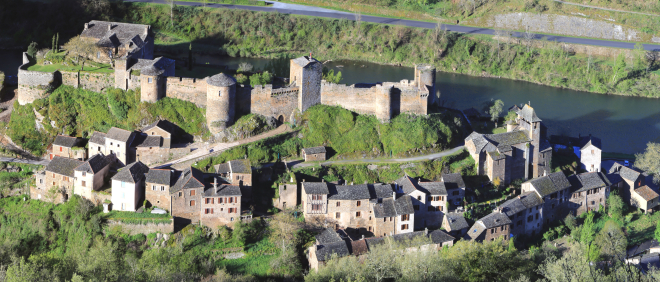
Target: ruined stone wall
(265, 100)
(33, 85)
(188, 89)
(96, 82)
(406, 98)
(133, 229)
(152, 155)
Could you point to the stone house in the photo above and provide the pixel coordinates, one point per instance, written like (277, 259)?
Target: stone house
(525, 213)
(149, 149)
(96, 143)
(455, 187)
(429, 200)
(221, 205)
(68, 147)
(160, 128)
(348, 206)
(393, 216)
(157, 187)
(314, 154)
(631, 179)
(455, 224)
(128, 187)
(523, 152)
(314, 199)
(116, 142)
(56, 184)
(238, 172)
(645, 198)
(490, 227)
(90, 175)
(590, 190)
(186, 195)
(288, 194)
(554, 190)
(590, 153)
(116, 40)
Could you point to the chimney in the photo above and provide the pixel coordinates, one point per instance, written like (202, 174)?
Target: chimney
(303, 179)
(351, 182)
(393, 195)
(362, 236)
(518, 196)
(86, 26)
(109, 27)
(310, 55)
(322, 180)
(215, 183)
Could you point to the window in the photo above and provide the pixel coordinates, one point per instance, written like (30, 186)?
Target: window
(180, 194)
(592, 152)
(123, 184)
(99, 148)
(530, 218)
(359, 203)
(404, 226)
(337, 215)
(593, 202)
(153, 187)
(110, 143)
(416, 207)
(192, 203)
(60, 149)
(338, 204)
(150, 81)
(231, 200)
(430, 198)
(391, 219)
(419, 198)
(209, 200)
(41, 181)
(492, 231)
(192, 192)
(84, 184)
(384, 219)
(405, 217)
(220, 200)
(537, 216)
(208, 211)
(316, 207)
(219, 93)
(358, 214)
(162, 188)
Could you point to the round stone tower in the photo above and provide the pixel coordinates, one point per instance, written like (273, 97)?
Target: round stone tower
(151, 84)
(220, 100)
(425, 78)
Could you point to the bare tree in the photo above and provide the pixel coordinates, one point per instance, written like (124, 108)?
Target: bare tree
(528, 36)
(650, 57)
(499, 35)
(81, 49)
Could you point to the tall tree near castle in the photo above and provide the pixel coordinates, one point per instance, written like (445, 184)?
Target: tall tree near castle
(81, 49)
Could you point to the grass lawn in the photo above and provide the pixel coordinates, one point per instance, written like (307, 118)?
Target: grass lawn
(101, 68)
(642, 227)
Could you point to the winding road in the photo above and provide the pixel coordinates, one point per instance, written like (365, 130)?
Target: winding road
(326, 13)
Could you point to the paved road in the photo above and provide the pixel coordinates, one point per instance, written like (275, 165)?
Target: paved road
(607, 9)
(300, 164)
(14, 160)
(318, 12)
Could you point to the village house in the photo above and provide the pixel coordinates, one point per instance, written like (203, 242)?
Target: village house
(96, 143)
(590, 190)
(393, 216)
(56, 183)
(116, 40)
(455, 187)
(348, 205)
(221, 205)
(521, 153)
(554, 191)
(314, 154)
(68, 147)
(429, 200)
(288, 194)
(645, 199)
(629, 180)
(90, 175)
(238, 172)
(153, 144)
(117, 141)
(525, 212)
(186, 195)
(490, 227)
(590, 153)
(157, 187)
(128, 187)
(160, 128)
(455, 224)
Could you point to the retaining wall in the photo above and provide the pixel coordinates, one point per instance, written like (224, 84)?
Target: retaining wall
(34, 85)
(133, 229)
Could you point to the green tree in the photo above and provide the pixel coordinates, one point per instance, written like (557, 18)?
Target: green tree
(612, 241)
(588, 229)
(32, 49)
(615, 207)
(80, 48)
(649, 160)
(619, 68)
(657, 231)
(261, 79)
(330, 76)
(495, 110)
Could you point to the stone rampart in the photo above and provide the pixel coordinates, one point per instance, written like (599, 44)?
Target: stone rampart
(133, 229)
(34, 85)
(91, 81)
(279, 103)
(188, 89)
(357, 98)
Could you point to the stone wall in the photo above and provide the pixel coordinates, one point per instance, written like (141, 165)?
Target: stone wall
(188, 89)
(91, 81)
(355, 98)
(152, 155)
(133, 229)
(288, 196)
(496, 232)
(264, 100)
(33, 85)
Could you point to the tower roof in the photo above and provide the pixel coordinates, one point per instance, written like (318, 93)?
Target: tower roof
(221, 80)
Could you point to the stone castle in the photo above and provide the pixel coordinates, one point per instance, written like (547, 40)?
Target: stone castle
(130, 46)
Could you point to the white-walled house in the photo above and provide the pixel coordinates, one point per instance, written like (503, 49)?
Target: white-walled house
(90, 175)
(590, 153)
(128, 187)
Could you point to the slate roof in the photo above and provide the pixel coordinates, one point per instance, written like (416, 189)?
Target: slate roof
(325, 252)
(154, 67)
(132, 173)
(65, 141)
(327, 236)
(159, 176)
(476, 230)
(143, 141)
(494, 220)
(223, 190)
(586, 141)
(119, 134)
(304, 61)
(98, 138)
(63, 166)
(503, 141)
(380, 191)
(614, 178)
(453, 181)
(189, 178)
(649, 261)
(222, 168)
(314, 150)
(433, 188)
(526, 200)
(316, 188)
(588, 180)
(240, 166)
(551, 183)
(358, 247)
(403, 237)
(514, 108)
(625, 172)
(403, 205)
(372, 242)
(162, 124)
(530, 199)
(95, 163)
(646, 193)
(122, 32)
(456, 221)
(478, 139)
(643, 247)
(349, 192)
(385, 209)
(527, 113)
(407, 184)
(439, 237)
(221, 80)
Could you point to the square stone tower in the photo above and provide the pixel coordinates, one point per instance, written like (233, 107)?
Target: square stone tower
(307, 73)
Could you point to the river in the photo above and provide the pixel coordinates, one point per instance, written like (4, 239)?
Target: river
(625, 124)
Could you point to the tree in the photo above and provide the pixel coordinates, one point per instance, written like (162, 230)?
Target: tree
(57, 42)
(528, 36)
(81, 49)
(657, 232)
(619, 67)
(261, 79)
(32, 49)
(285, 226)
(615, 207)
(649, 161)
(330, 76)
(52, 47)
(496, 110)
(612, 241)
(651, 57)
